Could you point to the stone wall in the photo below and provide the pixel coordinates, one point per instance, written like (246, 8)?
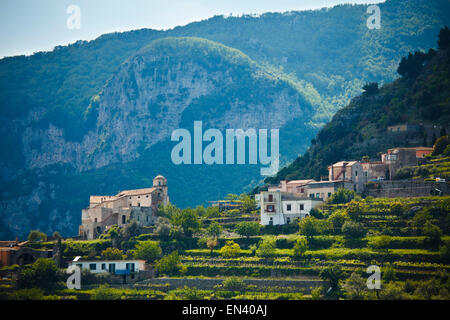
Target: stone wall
(208, 284)
(405, 188)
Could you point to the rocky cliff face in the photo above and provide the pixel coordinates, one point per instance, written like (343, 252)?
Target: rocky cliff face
(165, 86)
(144, 102)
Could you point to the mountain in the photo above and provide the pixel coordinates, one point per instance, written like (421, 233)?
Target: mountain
(95, 117)
(166, 85)
(420, 98)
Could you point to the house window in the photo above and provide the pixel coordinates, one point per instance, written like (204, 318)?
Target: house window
(288, 207)
(365, 173)
(130, 266)
(124, 219)
(93, 266)
(302, 207)
(311, 195)
(112, 267)
(302, 190)
(139, 204)
(271, 221)
(270, 208)
(138, 218)
(329, 194)
(103, 266)
(356, 173)
(317, 195)
(270, 198)
(147, 218)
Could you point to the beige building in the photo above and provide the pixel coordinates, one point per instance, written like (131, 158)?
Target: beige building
(139, 205)
(293, 186)
(350, 171)
(325, 189)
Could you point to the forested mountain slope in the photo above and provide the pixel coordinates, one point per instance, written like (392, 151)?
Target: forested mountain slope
(421, 97)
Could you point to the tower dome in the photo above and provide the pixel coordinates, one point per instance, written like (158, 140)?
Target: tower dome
(159, 181)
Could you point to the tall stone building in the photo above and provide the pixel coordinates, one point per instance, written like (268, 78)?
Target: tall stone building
(139, 205)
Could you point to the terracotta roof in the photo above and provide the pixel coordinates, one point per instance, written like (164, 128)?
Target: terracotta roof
(300, 181)
(341, 164)
(135, 192)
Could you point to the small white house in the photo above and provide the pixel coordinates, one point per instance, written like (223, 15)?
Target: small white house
(278, 208)
(123, 267)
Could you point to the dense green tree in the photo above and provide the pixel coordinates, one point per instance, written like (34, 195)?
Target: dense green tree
(188, 220)
(333, 274)
(36, 235)
(311, 226)
(43, 273)
(170, 265)
(248, 229)
(112, 254)
(440, 145)
(343, 195)
(147, 250)
(214, 229)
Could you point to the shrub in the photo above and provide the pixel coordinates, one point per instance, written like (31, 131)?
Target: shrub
(230, 250)
(338, 218)
(211, 244)
(170, 265)
(300, 247)
(27, 294)
(353, 230)
(147, 250)
(433, 234)
(41, 274)
(112, 254)
(355, 287)
(355, 209)
(163, 227)
(397, 208)
(316, 213)
(440, 145)
(343, 195)
(36, 235)
(104, 292)
(381, 242)
(266, 248)
(444, 252)
(234, 284)
(311, 226)
(333, 274)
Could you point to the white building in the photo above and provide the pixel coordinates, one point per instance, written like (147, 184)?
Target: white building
(122, 267)
(279, 208)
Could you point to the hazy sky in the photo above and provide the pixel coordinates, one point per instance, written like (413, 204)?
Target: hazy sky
(27, 26)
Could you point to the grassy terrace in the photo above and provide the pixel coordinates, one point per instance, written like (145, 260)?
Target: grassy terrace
(407, 237)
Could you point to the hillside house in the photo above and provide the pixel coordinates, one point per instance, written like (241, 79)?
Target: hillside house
(325, 189)
(292, 186)
(139, 205)
(278, 208)
(347, 171)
